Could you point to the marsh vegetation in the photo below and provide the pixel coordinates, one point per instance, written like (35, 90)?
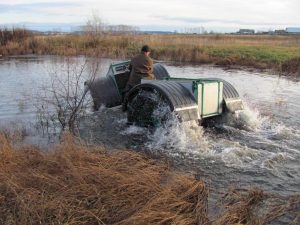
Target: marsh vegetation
(280, 53)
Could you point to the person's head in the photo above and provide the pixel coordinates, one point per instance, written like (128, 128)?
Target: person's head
(145, 50)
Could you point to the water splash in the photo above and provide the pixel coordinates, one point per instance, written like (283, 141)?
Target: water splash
(247, 119)
(134, 130)
(252, 140)
(247, 140)
(175, 136)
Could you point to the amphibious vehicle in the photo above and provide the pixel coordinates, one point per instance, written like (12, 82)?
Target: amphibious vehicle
(150, 102)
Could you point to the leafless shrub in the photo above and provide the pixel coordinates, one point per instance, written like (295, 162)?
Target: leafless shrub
(64, 100)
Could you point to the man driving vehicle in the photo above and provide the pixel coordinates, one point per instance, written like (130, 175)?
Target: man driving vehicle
(141, 67)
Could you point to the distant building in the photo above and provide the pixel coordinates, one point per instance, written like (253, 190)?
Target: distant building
(246, 31)
(293, 30)
(280, 32)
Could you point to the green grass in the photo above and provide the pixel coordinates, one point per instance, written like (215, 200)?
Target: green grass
(268, 54)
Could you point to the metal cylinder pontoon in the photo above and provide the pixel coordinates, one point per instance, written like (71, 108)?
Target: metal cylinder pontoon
(189, 99)
(109, 90)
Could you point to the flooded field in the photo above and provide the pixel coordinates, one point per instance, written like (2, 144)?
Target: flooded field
(259, 147)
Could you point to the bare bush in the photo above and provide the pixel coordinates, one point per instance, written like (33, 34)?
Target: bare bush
(64, 100)
(94, 25)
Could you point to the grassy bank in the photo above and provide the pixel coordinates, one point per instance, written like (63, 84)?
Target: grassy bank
(76, 184)
(280, 53)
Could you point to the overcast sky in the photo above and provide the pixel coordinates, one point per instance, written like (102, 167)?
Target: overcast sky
(158, 14)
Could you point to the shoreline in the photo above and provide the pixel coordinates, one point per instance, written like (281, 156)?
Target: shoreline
(270, 71)
(280, 54)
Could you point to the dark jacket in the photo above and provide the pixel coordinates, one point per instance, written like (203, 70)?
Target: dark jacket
(141, 67)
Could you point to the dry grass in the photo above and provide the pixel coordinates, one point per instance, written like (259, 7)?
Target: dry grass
(254, 207)
(16, 41)
(257, 51)
(75, 184)
(13, 35)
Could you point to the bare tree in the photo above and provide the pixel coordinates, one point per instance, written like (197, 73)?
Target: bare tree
(94, 25)
(64, 101)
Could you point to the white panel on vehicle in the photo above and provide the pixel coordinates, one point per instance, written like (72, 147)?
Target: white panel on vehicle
(210, 95)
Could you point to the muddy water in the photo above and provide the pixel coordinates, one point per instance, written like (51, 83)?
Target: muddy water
(258, 147)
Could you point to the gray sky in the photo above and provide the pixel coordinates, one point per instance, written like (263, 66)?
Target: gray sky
(158, 14)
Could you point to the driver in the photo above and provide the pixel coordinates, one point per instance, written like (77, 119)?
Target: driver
(141, 67)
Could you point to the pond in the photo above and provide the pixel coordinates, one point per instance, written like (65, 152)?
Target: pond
(264, 152)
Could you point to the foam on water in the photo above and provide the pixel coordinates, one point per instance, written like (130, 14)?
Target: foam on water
(134, 130)
(261, 140)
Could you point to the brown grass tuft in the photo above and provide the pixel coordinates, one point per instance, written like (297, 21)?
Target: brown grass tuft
(255, 207)
(292, 66)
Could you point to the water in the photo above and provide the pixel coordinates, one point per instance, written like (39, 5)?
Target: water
(258, 147)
